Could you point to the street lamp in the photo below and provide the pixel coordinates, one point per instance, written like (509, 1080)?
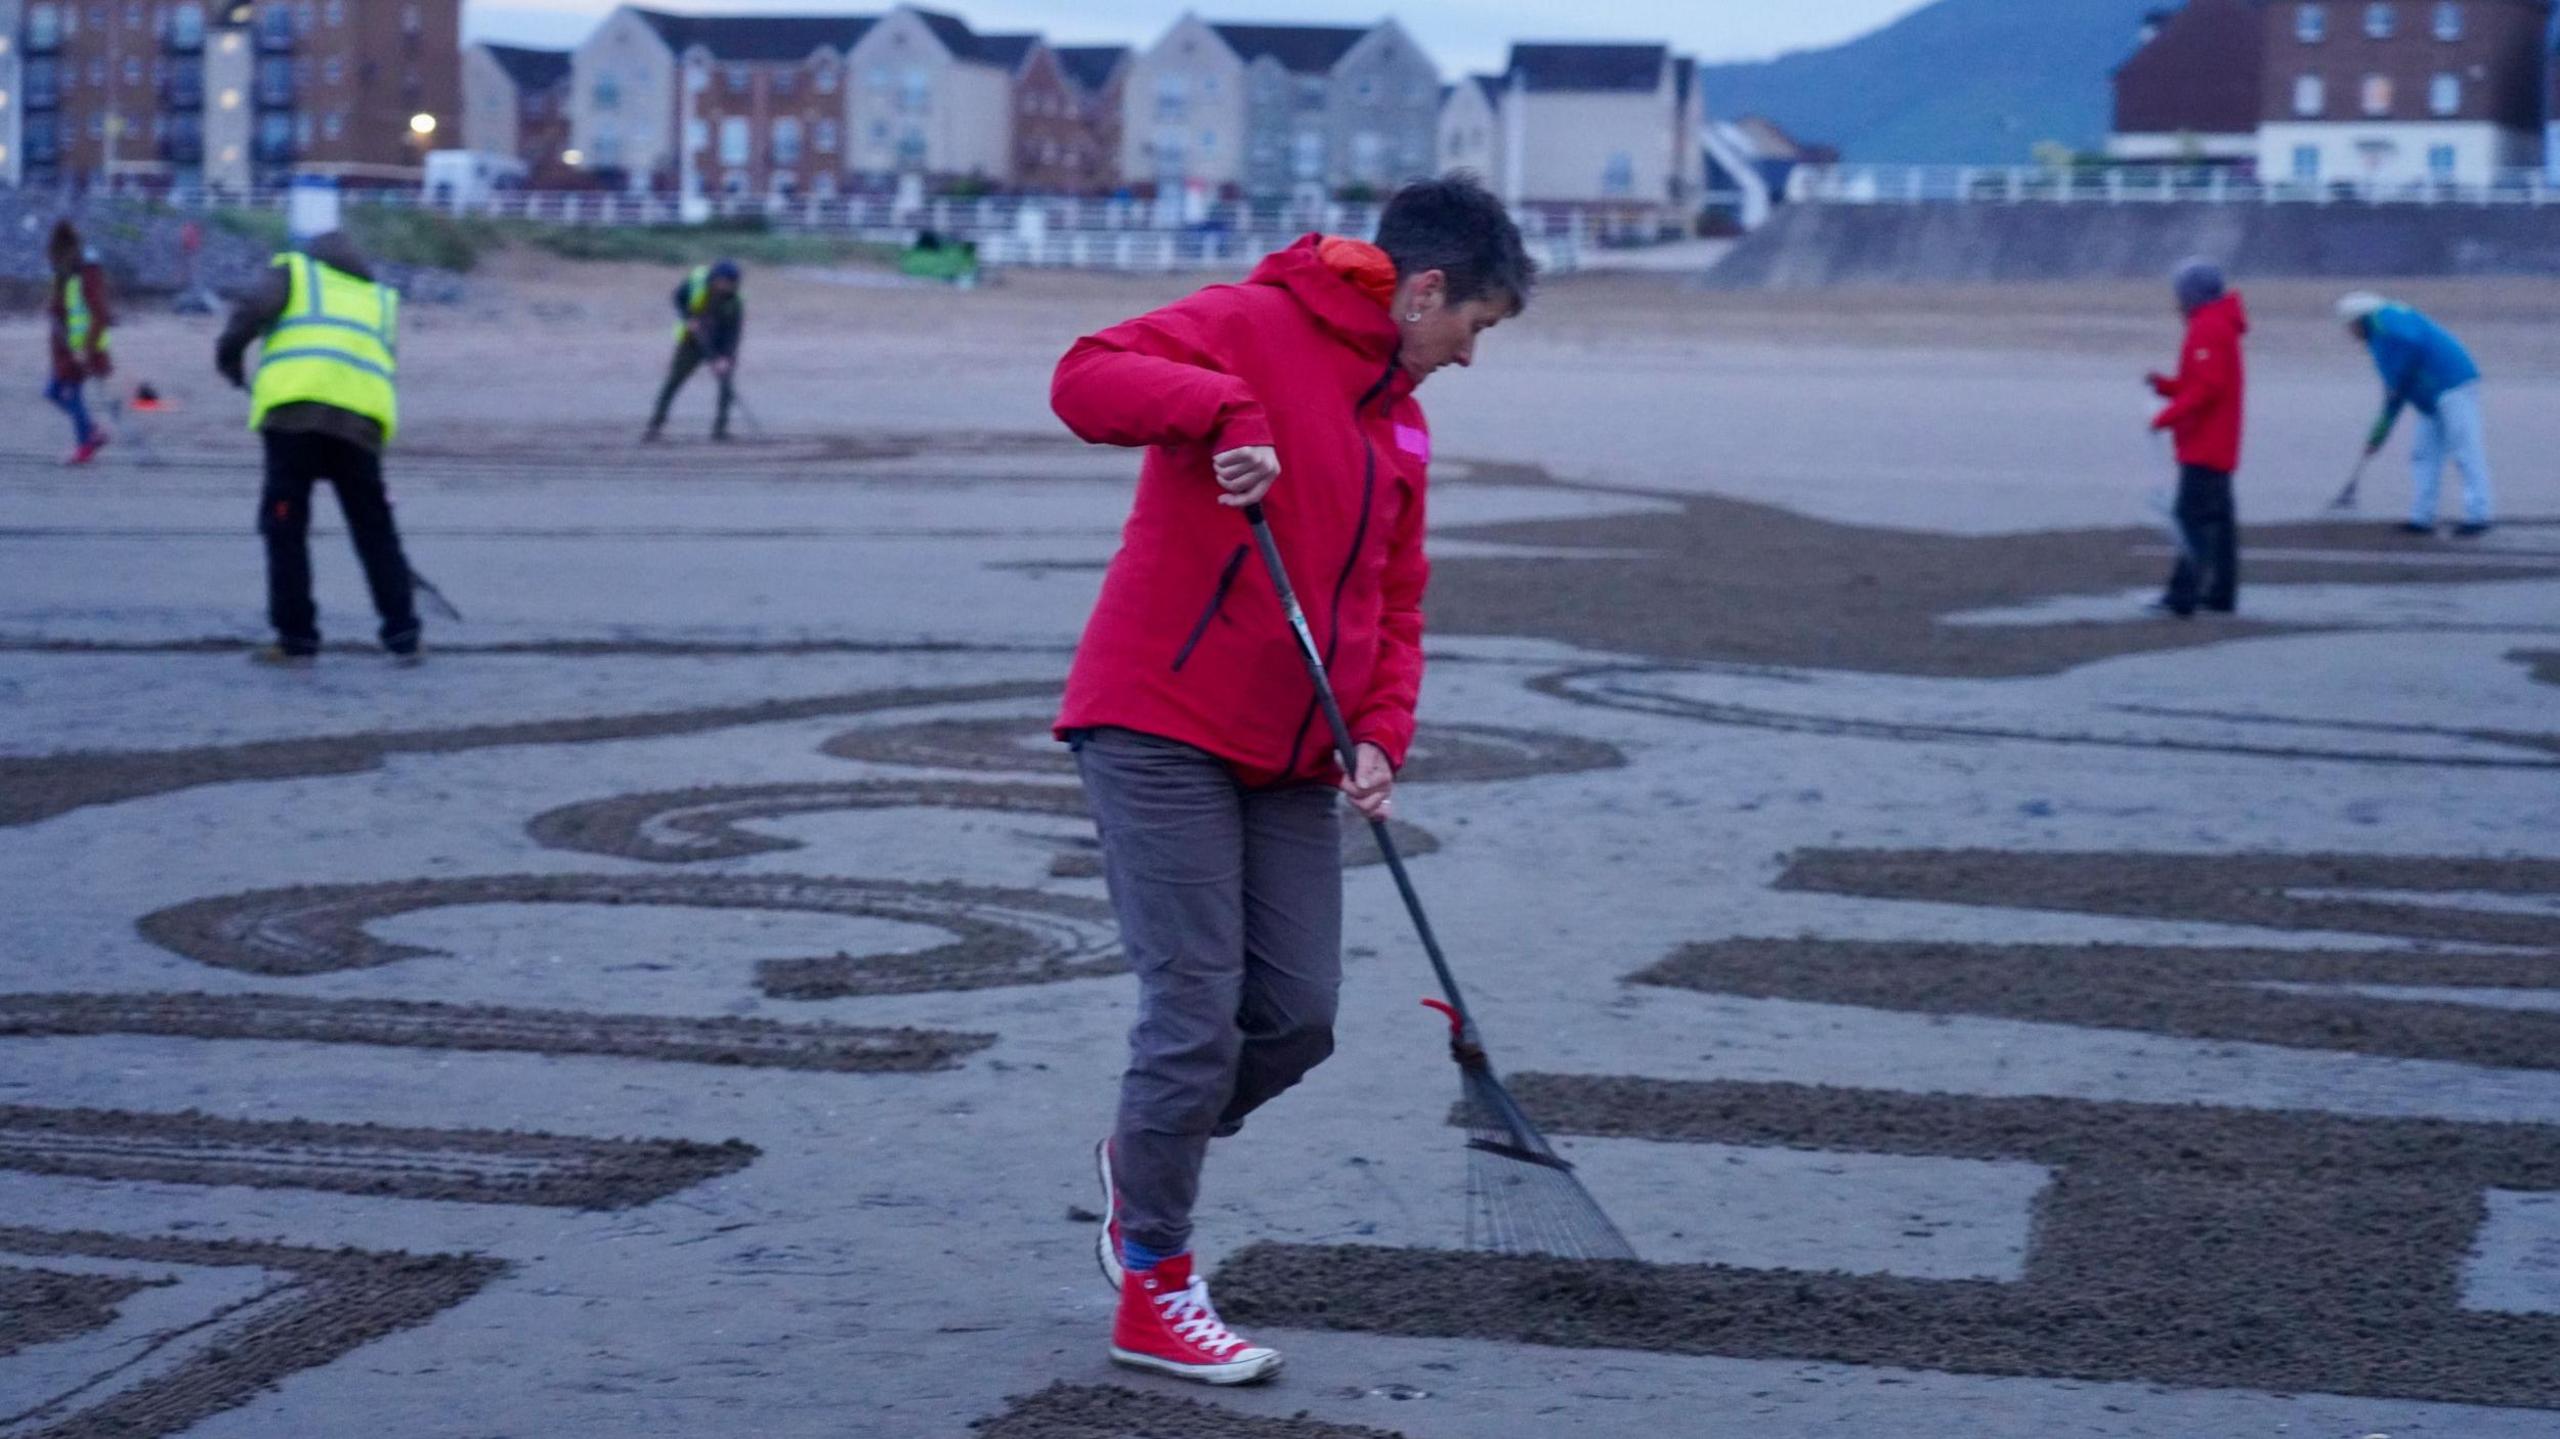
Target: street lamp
(422, 126)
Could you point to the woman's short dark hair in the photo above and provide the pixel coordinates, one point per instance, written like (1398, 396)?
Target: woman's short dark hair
(1454, 225)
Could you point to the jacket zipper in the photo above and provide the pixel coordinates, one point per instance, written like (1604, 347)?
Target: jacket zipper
(1226, 580)
(1351, 562)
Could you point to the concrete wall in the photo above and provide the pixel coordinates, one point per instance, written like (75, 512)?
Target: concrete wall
(622, 100)
(1811, 246)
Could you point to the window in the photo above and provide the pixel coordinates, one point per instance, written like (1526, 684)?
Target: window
(2311, 24)
(1618, 177)
(335, 125)
(786, 142)
(697, 133)
(1173, 98)
(1208, 142)
(2310, 97)
(44, 27)
(2440, 162)
(2449, 19)
(784, 84)
(2376, 93)
(186, 26)
(915, 93)
(132, 70)
(2444, 95)
(736, 76)
(336, 13)
(826, 79)
(733, 140)
(333, 71)
(2381, 20)
(1368, 156)
(413, 19)
(825, 134)
(1306, 155)
(2306, 162)
(608, 92)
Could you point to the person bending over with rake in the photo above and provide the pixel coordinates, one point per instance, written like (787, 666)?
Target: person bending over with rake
(1194, 724)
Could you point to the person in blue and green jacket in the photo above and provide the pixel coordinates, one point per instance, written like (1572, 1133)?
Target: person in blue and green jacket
(711, 320)
(2424, 368)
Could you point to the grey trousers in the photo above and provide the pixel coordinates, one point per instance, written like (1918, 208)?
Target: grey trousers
(1230, 909)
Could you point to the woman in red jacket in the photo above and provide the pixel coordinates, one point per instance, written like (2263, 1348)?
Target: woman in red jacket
(1211, 777)
(78, 308)
(2206, 404)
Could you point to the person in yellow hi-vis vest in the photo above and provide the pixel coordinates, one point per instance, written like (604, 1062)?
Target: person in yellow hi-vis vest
(80, 317)
(711, 319)
(326, 403)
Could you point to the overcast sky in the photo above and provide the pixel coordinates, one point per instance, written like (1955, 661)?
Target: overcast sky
(1462, 35)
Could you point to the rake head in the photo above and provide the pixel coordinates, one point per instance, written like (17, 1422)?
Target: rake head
(1522, 1197)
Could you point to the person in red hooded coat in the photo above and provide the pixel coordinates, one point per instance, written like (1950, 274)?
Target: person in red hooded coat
(2207, 403)
(1212, 778)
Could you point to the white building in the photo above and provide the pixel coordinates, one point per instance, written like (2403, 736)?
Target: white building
(1608, 130)
(1471, 128)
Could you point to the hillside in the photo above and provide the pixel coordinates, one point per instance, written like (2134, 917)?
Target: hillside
(1963, 82)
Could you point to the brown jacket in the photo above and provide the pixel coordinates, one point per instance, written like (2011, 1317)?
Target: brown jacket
(257, 312)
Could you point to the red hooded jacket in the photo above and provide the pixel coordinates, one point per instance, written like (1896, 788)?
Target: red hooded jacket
(2210, 392)
(1187, 641)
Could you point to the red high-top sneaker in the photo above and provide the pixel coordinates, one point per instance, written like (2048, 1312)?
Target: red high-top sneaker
(1107, 1248)
(1165, 1324)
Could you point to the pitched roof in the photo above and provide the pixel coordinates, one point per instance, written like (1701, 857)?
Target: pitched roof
(1006, 51)
(1684, 76)
(1492, 86)
(1091, 66)
(531, 69)
(953, 32)
(758, 37)
(1305, 49)
(1590, 67)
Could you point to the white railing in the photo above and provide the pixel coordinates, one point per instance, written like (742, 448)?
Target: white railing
(2133, 185)
(1116, 234)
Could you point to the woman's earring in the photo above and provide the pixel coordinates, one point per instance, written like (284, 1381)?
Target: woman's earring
(1413, 317)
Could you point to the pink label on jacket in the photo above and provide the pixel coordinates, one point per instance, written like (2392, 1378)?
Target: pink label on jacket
(1414, 441)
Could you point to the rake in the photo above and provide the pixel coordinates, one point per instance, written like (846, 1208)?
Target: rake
(2348, 497)
(1522, 1198)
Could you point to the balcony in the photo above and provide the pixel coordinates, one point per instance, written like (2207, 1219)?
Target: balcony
(182, 149)
(275, 31)
(43, 92)
(273, 151)
(183, 90)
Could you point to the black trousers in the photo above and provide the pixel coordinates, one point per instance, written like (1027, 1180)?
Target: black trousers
(295, 463)
(2208, 573)
(689, 357)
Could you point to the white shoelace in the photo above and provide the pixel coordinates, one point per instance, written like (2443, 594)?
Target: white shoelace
(1192, 1318)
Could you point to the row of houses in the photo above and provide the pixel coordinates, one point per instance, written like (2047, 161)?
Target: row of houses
(227, 93)
(2354, 93)
(794, 105)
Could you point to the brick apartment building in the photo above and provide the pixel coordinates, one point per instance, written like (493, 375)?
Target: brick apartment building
(2395, 92)
(1066, 119)
(2193, 91)
(233, 92)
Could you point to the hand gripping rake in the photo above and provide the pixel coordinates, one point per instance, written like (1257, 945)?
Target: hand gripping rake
(1521, 1197)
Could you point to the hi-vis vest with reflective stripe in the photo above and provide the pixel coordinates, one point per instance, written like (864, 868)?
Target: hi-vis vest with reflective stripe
(337, 343)
(77, 322)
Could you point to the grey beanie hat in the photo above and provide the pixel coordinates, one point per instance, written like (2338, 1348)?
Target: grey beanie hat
(2199, 282)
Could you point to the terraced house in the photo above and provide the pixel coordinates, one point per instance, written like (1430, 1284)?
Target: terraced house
(933, 97)
(515, 101)
(2399, 92)
(227, 92)
(728, 104)
(1280, 111)
(1066, 118)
